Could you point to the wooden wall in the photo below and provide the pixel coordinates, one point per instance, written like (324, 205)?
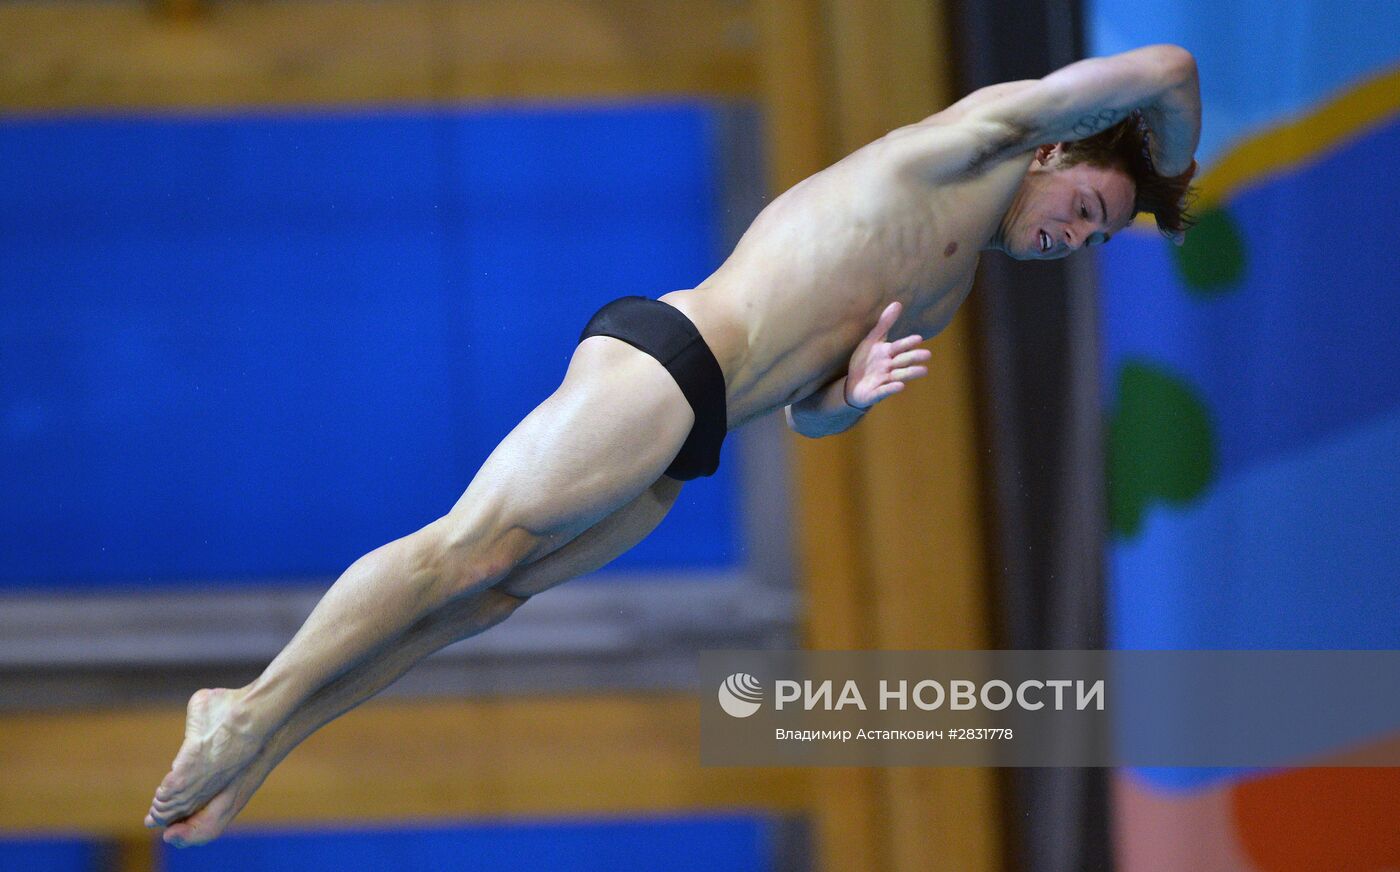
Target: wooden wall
(888, 516)
(77, 55)
(94, 772)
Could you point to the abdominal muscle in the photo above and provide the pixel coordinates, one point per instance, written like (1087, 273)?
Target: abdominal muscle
(764, 369)
(809, 280)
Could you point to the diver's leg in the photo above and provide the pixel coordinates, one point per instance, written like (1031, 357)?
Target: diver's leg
(460, 619)
(600, 440)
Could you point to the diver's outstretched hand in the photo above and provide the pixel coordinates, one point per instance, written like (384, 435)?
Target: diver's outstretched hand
(880, 368)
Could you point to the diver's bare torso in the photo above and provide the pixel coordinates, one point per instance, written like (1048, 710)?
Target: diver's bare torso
(811, 275)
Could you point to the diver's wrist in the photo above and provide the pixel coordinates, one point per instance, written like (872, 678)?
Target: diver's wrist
(847, 399)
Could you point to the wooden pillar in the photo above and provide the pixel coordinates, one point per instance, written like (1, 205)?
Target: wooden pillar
(136, 852)
(890, 531)
(846, 803)
(183, 11)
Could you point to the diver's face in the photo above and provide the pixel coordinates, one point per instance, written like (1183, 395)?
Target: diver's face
(1062, 209)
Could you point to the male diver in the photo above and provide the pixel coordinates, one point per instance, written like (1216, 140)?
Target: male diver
(883, 243)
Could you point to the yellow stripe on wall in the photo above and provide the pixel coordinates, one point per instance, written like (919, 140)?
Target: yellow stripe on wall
(1272, 151)
(1295, 141)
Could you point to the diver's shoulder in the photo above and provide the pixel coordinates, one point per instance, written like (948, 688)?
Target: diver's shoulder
(951, 147)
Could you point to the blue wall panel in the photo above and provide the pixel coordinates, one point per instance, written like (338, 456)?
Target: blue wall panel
(250, 347)
(710, 844)
(1254, 407)
(49, 854)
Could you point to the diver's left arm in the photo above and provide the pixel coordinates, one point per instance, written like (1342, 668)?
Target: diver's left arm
(825, 412)
(878, 369)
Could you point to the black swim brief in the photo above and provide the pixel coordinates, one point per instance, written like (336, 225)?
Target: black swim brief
(665, 333)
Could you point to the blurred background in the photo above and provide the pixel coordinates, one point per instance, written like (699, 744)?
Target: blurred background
(276, 275)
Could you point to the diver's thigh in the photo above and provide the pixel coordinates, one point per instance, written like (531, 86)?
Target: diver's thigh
(610, 430)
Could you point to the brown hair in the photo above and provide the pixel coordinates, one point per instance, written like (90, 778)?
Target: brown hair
(1167, 198)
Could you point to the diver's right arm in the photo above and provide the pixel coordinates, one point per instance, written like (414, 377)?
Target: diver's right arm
(1082, 99)
(1075, 102)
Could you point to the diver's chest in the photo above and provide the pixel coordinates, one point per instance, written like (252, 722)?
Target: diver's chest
(930, 305)
(920, 245)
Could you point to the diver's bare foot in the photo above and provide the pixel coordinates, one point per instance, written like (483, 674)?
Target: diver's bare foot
(221, 738)
(209, 822)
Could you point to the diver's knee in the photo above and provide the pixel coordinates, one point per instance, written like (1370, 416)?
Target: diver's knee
(509, 596)
(470, 555)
